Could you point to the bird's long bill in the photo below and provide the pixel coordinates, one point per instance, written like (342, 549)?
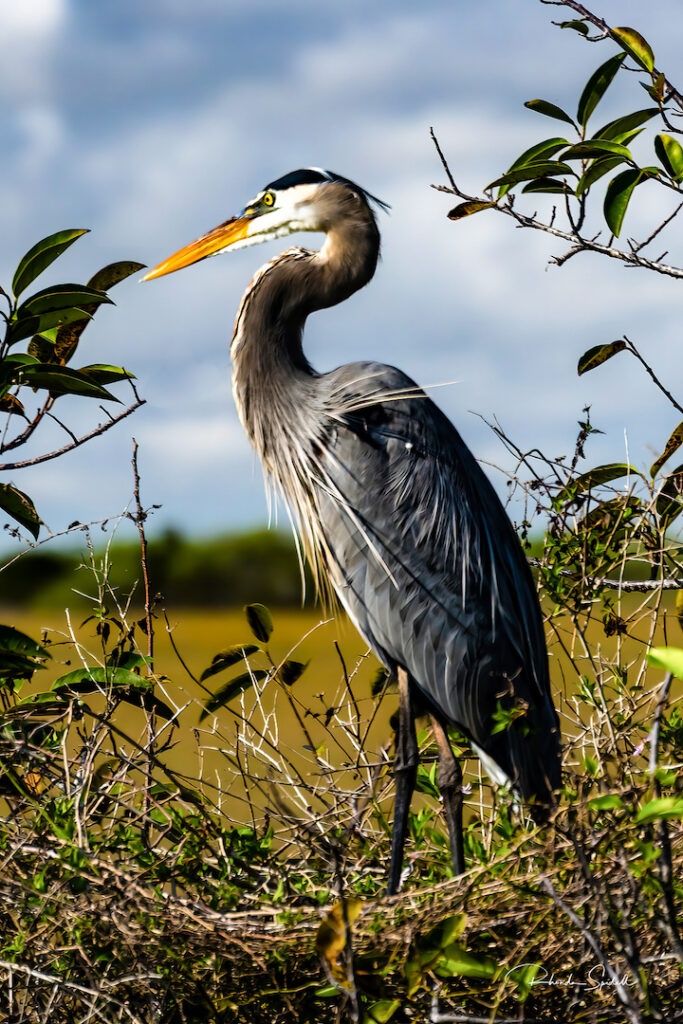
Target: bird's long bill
(233, 230)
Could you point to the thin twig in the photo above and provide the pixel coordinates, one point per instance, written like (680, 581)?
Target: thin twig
(101, 429)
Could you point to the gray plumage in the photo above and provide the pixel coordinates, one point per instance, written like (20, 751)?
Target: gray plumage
(393, 512)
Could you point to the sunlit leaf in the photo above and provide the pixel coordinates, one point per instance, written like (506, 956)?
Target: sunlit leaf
(550, 110)
(380, 1011)
(596, 87)
(618, 196)
(28, 325)
(669, 503)
(542, 169)
(622, 126)
(97, 679)
(61, 380)
(672, 445)
(595, 148)
(670, 152)
(61, 296)
(457, 960)
(102, 373)
(227, 658)
(41, 255)
(595, 478)
(542, 150)
(607, 802)
(260, 621)
(467, 209)
(636, 46)
(19, 507)
(232, 690)
(599, 354)
(663, 807)
(668, 658)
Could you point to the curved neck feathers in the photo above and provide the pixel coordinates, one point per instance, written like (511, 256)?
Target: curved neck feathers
(271, 375)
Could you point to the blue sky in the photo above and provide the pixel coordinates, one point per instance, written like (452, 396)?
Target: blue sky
(150, 123)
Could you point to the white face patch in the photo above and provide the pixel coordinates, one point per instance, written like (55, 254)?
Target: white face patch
(294, 210)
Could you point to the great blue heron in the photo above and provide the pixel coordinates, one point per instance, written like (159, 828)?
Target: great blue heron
(391, 507)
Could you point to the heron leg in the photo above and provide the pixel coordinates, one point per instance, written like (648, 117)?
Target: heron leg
(450, 784)
(405, 772)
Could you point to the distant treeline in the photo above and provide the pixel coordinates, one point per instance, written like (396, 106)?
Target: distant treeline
(229, 570)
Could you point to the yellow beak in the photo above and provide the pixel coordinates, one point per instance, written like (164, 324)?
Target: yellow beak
(233, 230)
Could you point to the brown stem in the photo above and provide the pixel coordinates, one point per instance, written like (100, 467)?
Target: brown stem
(101, 429)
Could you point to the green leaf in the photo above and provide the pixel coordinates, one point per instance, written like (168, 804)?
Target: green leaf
(467, 209)
(670, 153)
(668, 658)
(148, 701)
(550, 110)
(61, 380)
(43, 253)
(19, 507)
(595, 477)
(260, 621)
(623, 126)
(113, 273)
(102, 373)
(618, 196)
(227, 658)
(231, 690)
(596, 87)
(608, 802)
(655, 810)
(61, 296)
(291, 670)
(379, 1012)
(636, 46)
(614, 513)
(544, 149)
(550, 186)
(523, 977)
(97, 679)
(669, 503)
(578, 26)
(12, 639)
(595, 171)
(425, 781)
(542, 169)
(457, 960)
(595, 148)
(672, 445)
(26, 326)
(599, 354)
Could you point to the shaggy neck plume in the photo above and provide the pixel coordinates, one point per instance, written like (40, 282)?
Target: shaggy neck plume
(274, 385)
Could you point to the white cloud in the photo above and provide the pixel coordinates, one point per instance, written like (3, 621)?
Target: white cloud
(32, 18)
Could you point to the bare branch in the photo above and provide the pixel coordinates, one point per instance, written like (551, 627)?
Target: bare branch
(101, 429)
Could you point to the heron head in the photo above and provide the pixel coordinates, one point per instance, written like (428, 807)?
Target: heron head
(303, 200)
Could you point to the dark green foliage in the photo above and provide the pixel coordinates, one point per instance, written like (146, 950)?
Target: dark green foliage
(233, 570)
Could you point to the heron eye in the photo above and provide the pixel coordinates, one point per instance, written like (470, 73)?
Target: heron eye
(269, 199)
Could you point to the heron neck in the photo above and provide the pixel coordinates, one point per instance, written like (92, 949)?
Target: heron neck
(272, 378)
